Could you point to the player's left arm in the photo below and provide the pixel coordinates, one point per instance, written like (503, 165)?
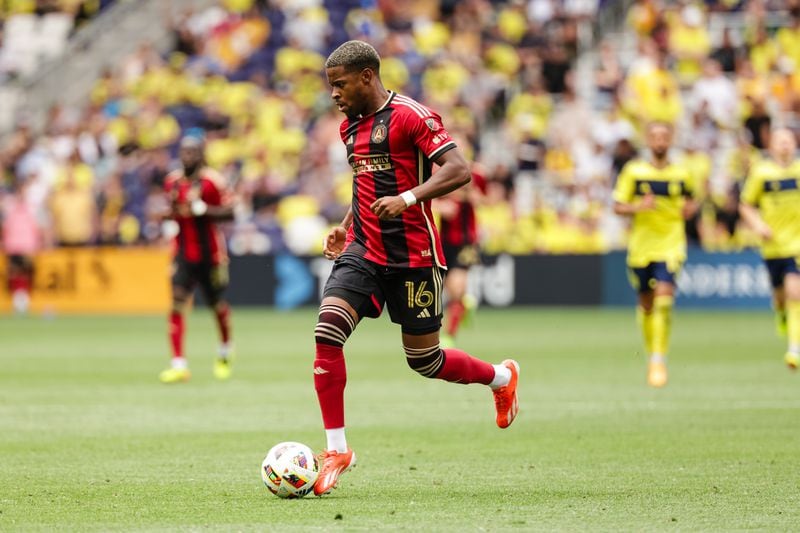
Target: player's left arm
(749, 200)
(429, 135)
(452, 174)
(218, 205)
(690, 207)
(690, 203)
(218, 212)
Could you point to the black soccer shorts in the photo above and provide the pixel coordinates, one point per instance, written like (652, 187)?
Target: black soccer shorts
(462, 257)
(212, 279)
(413, 296)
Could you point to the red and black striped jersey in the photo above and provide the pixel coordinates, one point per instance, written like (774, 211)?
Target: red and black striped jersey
(199, 239)
(462, 228)
(392, 151)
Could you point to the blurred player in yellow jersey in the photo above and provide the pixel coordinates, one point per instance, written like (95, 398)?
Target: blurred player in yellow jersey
(657, 194)
(770, 204)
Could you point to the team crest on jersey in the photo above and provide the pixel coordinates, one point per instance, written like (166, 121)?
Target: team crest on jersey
(432, 124)
(379, 133)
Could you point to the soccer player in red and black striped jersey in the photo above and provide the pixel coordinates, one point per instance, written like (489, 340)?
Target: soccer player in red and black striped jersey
(387, 250)
(199, 199)
(460, 245)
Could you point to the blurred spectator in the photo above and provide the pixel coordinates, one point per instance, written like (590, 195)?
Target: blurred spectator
(726, 53)
(609, 74)
(758, 124)
(689, 43)
(74, 212)
(551, 133)
(714, 91)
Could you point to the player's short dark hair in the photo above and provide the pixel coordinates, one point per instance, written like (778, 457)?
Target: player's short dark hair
(355, 56)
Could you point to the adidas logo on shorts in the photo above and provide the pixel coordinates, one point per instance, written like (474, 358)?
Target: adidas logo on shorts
(424, 314)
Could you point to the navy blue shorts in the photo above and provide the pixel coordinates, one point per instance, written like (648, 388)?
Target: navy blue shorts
(778, 268)
(644, 279)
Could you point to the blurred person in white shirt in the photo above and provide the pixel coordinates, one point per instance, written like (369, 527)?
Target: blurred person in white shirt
(718, 93)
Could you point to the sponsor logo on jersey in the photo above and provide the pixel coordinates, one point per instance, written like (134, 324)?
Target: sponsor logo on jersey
(362, 163)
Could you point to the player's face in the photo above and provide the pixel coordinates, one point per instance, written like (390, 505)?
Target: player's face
(347, 90)
(783, 144)
(190, 157)
(659, 138)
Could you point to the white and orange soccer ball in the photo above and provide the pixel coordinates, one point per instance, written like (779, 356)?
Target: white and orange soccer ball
(290, 470)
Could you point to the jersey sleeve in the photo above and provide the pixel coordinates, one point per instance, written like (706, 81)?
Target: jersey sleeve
(170, 181)
(751, 192)
(623, 190)
(429, 135)
(216, 191)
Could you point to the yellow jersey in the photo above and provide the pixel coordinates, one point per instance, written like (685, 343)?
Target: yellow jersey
(775, 191)
(657, 234)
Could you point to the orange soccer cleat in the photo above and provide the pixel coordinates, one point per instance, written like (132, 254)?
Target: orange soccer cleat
(334, 464)
(505, 398)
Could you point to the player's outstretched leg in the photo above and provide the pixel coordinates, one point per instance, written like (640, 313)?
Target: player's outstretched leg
(644, 318)
(454, 315)
(178, 370)
(781, 322)
(335, 324)
(792, 288)
(222, 364)
(661, 325)
(458, 305)
(424, 356)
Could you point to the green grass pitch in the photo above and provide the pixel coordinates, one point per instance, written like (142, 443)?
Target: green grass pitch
(90, 441)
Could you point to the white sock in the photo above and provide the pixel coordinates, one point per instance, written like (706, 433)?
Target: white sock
(20, 301)
(225, 350)
(336, 440)
(179, 363)
(502, 375)
(657, 358)
(794, 348)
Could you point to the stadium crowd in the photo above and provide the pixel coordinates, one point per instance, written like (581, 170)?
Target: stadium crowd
(32, 31)
(504, 74)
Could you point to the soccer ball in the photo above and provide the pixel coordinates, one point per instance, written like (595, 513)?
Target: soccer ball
(290, 470)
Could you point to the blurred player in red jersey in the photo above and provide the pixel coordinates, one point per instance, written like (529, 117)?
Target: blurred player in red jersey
(387, 250)
(199, 199)
(460, 246)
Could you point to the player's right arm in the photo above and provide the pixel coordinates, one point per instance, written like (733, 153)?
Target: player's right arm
(625, 203)
(751, 194)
